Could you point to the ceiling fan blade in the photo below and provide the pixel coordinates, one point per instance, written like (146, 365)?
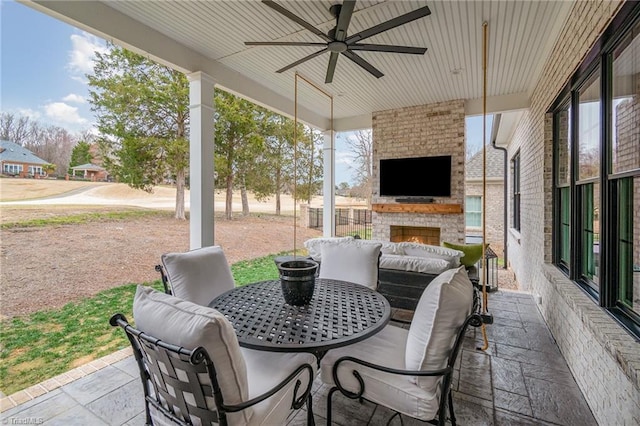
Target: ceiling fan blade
(387, 48)
(275, 6)
(306, 58)
(282, 43)
(343, 20)
(333, 60)
(391, 23)
(364, 64)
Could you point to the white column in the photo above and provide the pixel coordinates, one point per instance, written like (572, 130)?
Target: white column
(201, 146)
(329, 187)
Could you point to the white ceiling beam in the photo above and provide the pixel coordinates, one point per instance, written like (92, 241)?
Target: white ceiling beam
(109, 24)
(497, 104)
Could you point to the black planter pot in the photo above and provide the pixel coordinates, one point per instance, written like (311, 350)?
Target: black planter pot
(298, 279)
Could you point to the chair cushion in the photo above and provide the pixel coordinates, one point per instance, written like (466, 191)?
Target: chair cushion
(437, 252)
(186, 324)
(391, 390)
(314, 245)
(264, 371)
(441, 311)
(423, 265)
(351, 261)
(472, 252)
(200, 275)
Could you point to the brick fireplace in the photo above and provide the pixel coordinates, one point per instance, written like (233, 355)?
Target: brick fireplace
(420, 131)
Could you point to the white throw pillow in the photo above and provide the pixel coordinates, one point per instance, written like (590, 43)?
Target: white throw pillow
(200, 275)
(186, 324)
(314, 245)
(438, 252)
(352, 261)
(441, 311)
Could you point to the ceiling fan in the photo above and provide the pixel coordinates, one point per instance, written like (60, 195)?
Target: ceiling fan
(337, 41)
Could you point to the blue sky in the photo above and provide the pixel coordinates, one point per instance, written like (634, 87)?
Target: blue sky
(43, 63)
(43, 67)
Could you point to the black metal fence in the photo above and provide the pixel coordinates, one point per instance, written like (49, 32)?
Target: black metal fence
(349, 222)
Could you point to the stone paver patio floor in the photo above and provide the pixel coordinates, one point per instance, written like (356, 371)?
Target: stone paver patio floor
(521, 379)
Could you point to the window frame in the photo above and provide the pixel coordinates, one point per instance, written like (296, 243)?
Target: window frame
(467, 210)
(599, 64)
(516, 219)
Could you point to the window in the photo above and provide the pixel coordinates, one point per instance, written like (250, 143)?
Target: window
(596, 215)
(473, 211)
(13, 169)
(515, 163)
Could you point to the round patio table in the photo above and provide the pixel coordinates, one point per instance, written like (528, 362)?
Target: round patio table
(340, 313)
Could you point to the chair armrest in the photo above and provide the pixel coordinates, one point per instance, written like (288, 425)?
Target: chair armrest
(297, 402)
(352, 395)
(165, 280)
(474, 320)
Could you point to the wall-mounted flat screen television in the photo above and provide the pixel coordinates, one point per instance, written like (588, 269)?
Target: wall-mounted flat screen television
(416, 177)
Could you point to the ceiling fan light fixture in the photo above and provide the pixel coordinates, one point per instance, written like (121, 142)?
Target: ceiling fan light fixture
(337, 41)
(337, 46)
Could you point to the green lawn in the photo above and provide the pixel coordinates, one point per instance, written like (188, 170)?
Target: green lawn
(45, 344)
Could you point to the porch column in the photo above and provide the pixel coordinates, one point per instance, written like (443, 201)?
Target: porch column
(329, 187)
(201, 173)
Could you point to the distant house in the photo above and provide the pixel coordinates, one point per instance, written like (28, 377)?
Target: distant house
(16, 160)
(90, 171)
(495, 199)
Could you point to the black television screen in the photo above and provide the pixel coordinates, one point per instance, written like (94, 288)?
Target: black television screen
(416, 177)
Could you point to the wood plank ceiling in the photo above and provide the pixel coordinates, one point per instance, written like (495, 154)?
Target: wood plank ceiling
(521, 34)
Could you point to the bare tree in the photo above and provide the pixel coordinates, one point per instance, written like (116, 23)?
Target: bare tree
(15, 129)
(51, 143)
(361, 145)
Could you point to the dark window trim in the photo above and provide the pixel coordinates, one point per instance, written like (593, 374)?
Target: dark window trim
(598, 60)
(516, 191)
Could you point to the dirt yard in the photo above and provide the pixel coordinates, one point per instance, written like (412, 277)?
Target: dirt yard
(47, 267)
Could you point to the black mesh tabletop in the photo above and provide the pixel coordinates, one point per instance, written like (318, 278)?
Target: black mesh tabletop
(340, 313)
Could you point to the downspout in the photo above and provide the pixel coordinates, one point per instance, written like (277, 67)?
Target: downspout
(494, 134)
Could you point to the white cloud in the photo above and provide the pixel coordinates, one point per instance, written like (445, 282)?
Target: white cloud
(28, 112)
(72, 97)
(344, 157)
(84, 46)
(63, 113)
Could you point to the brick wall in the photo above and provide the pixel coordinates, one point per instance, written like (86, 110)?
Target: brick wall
(419, 131)
(604, 358)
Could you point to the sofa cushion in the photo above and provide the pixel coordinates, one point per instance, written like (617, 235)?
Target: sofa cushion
(352, 261)
(423, 265)
(425, 250)
(187, 324)
(387, 247)
(314, 245)
(441, 311)
(472, 252)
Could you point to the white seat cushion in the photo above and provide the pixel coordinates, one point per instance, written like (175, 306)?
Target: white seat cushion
(186, 324)
(264, 371)
(200, 275)
(351, 261)
(394, 391)
(441, 311)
